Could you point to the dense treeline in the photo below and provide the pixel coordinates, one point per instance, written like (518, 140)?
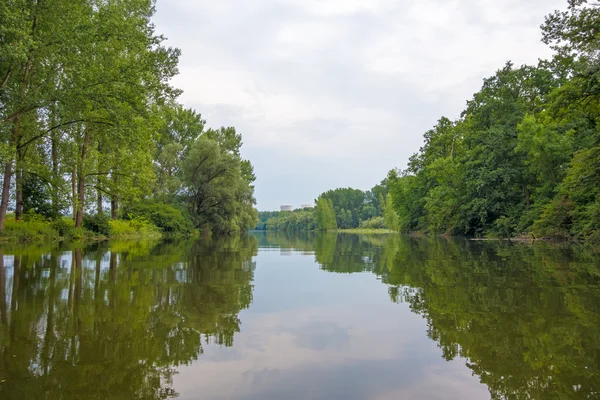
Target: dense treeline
(89, 123)
(524, 156)
(343, 208)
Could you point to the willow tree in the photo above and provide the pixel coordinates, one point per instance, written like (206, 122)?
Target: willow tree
(217, 183)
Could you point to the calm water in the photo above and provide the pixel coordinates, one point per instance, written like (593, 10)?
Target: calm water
(300, 317)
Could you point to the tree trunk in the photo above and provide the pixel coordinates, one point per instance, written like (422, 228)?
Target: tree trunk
(5, 193)
(114, 202)
(80, 199)
(19, 189)
(74, 189)
(114, 207)
(55, 177)
(99, 199)
(99, 184)
(3, 316)
(81, 179)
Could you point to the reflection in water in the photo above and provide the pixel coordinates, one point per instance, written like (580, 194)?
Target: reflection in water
(119, 320)
(115, 321)
(525, 316)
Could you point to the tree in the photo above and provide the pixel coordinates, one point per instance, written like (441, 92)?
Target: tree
(325, 214)
(217, 185)
(389, 213)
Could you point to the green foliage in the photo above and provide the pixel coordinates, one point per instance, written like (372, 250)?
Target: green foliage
(373, 223)
(87, 116)
(65, 227)
(132, 228)
(264, 217)
(97, 223)
(167, 218)
(33, 230)
(293, 221)
(218, 183)
(524, 155)
(389, 213)
(556, 219)
(351, 206)
(325, 215)
(37, 197)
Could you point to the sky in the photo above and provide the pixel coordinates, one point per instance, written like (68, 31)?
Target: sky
(335, 93)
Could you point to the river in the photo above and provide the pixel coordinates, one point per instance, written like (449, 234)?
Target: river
(300, 316)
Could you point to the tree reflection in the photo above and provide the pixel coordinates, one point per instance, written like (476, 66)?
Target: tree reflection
(525, 317)
(115, 321)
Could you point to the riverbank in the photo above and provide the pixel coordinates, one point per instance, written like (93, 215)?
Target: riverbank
(36, 230)
(362, 231)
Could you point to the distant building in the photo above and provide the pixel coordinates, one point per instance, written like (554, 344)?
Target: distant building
(307, 206)
(287, 208)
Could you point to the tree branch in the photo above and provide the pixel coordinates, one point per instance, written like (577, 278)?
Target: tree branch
(14, 115)
(100, 189)
(41, 135)
(6, 78)
(105, 173)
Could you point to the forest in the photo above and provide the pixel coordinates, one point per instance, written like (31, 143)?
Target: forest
(343, 208)
(93, 140)
(524, 155)
(522, 159)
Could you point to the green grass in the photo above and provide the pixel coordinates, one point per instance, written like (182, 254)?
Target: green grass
(34, 229)
(28, 231)
(367, 231)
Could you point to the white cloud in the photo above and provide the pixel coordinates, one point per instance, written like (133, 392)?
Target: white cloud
(315, 80)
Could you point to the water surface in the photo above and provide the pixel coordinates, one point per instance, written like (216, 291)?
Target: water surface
(275, 316)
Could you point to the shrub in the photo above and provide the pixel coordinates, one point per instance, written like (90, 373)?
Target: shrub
(65, 227)
(167, 218)
(556, 219)
(98, 223)
(503, 228)
(373, 223)
(133, 228)
(29, 231)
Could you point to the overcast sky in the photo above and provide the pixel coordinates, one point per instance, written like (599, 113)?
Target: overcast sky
(335, 93)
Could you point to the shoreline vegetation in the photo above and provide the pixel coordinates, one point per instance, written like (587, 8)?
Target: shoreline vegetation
(90, 127)
(521, 160)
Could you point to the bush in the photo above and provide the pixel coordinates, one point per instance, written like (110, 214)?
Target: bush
(167, 218)
(133, 228)
(556, 220)
(373, 223)
(65, 227)
(98, 223)
(29, 231)
(503, 228)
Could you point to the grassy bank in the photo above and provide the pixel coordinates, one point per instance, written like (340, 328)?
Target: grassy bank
(37, 230)
(142, 220)
(364, 231)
